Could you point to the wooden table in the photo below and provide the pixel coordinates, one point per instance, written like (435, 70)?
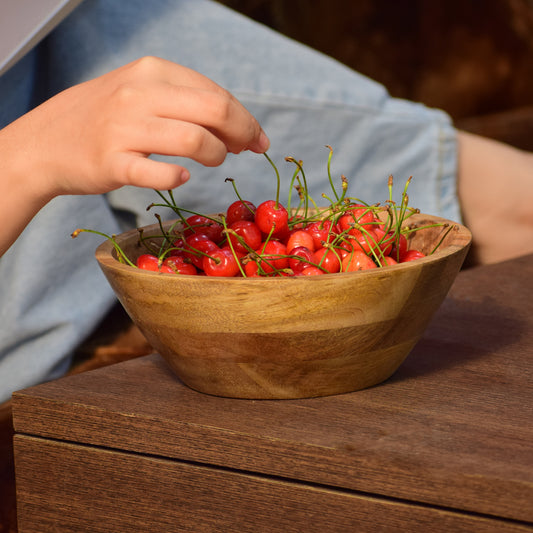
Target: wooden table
(446, 444)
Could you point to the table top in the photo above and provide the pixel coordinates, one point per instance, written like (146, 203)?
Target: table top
(452, 428)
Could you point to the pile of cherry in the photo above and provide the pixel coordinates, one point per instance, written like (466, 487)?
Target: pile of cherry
(265, 240)
(272, 240)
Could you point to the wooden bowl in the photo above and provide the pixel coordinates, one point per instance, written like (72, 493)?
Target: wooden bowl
(287, 337)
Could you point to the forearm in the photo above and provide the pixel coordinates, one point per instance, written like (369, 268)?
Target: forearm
(23, 192)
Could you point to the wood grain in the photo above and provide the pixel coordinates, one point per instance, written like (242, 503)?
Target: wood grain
(452, 428)
(286, 337)
(81, 489)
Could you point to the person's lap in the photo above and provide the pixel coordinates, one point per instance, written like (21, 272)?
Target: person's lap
(52, 291)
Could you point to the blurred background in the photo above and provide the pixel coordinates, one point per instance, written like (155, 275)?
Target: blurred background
(471, 58)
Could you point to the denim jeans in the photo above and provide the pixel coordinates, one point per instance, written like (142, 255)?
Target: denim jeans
(52, 293)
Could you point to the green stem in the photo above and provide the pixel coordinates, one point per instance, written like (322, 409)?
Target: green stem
(122, 257)
(330, 155)
(277, 177)
(230, 244)
(232, 181)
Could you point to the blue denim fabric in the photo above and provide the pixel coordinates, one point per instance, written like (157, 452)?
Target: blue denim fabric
(52, 293)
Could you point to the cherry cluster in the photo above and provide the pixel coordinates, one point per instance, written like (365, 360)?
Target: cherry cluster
(265, 241)
(272, 239)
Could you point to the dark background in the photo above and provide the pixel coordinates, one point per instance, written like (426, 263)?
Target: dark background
(471, 58)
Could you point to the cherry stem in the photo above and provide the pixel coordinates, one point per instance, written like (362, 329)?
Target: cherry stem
(329, 172)
(305, 188)
(148, 243)
(300, 191)
(450, 228)
(122, 257)
(344, 181)
(389, 185)
(230, 244)
(428, 226)
(171, 204)
(166, 238)
(392, 217)
(232, 181)
(311, 263)
(277, 177)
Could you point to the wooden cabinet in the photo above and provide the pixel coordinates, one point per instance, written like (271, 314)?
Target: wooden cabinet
(446, 444)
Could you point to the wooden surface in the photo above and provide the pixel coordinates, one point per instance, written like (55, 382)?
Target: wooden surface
(451, 432)
(100, 490)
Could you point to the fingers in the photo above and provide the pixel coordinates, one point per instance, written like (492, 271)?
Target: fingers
(175, 116)
(219, 112)
(150, 106)
(143, 172)
(171, 91)
(178, 138)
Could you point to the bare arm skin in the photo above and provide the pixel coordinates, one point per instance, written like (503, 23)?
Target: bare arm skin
(495, 187)
(97, 136)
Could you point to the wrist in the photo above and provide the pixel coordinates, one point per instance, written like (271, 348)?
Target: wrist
(25, 189)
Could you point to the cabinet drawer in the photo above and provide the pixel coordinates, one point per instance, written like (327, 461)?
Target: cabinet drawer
(69, 487)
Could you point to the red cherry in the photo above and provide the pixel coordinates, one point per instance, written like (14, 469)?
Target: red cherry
(148, 262)
(399, 246)
(165, 269)
(251, 269)
(322, 231)
(411, 255)
(388, 261)
(328, 259)
(304, 257)
(236, 253)
(249, 233)
(282, 274)
(311, 271)
(178, 265)
(221, 263)
(344, 249)
(272, 219)
(204, 225)
(240, 210)
(357, 261)
(345, 222)
(198, 244)
(364, 240)
(357, 213)
(274, 256)
(301, 238)
(177, 248)
(385, 241)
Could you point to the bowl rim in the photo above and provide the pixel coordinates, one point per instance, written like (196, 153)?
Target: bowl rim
(106, 258)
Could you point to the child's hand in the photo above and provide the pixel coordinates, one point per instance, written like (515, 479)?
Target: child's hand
(96, 136)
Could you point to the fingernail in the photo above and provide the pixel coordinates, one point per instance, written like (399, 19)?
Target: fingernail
(264, 141)
(184, 176)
